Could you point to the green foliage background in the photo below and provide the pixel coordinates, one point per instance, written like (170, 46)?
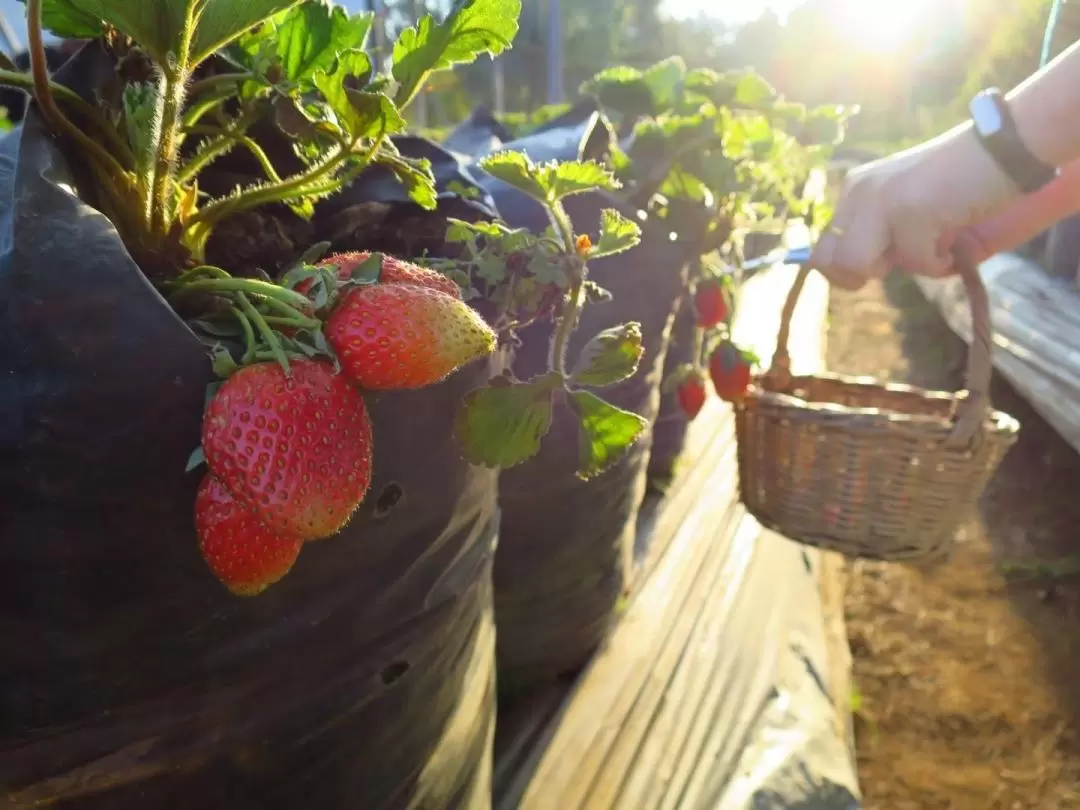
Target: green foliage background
(916, 92)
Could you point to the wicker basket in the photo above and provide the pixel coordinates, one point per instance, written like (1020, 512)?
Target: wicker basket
(871, 470)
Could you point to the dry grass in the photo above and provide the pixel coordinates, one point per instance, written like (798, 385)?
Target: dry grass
(968, 684)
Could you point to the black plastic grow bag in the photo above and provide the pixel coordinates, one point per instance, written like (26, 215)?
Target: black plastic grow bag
(566, 545)
(479, 134)
(130, 677)
(669, 431)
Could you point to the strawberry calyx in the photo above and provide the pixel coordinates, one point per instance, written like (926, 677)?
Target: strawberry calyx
(731, 356)
(264, 320)
(679, 375)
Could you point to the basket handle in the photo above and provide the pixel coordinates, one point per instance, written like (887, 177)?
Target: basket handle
(972, 408)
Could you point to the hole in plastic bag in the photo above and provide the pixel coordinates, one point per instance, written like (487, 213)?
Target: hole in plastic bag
(389, 498)
(391, 673)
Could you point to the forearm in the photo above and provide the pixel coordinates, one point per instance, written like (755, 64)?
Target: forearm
(1027, 217)
(1046, 107)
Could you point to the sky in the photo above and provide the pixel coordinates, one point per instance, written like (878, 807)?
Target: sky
(730, 11)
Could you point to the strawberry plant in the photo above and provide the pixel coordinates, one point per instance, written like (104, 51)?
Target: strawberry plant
(210, 71)
(716, 156)
(712, 354)
(519, 277)
(286, 435)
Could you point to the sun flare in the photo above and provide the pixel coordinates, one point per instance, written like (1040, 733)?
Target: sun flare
(880, 26)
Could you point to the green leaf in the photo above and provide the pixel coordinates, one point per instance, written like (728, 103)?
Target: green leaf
(664, 80)
(594, 293)
(617, 234)
(195, 460)
(415, 175)
(504, 423)
(681, 374)
(610, 357)
(577, 176)
(310, 37)
(66, 19)
(751, 90)
(460, 231)
(548, 182)
(222, 361)
(605, 434)
(624, 90)
(472, 28)
(517, 170)
(734, 89)
(219, 21)
(159, 26)
(825, 125)
(362, 114)
(140, 108)
(702, 81)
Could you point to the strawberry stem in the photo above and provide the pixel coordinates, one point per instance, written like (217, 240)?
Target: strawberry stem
(289, 314)
(198, 272)
(43, 95)
(263, 289)
(158, 205)
(568, 320)
(249, 336)
(698, 350)
(26, 81)
(268, 334)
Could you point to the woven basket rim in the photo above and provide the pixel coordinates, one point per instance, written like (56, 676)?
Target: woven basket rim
(797, 408)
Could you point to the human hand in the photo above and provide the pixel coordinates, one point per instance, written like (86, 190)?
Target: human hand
(909, 208)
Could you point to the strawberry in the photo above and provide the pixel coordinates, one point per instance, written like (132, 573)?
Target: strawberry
(729, 367)
(294, 449)
(691, 394)
(245, 555)
(710, 303)
(397, 336)
(393, 271)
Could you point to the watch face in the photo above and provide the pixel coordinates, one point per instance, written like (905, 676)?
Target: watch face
(986, 114)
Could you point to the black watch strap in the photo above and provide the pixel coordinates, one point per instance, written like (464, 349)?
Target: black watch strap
(996, 130)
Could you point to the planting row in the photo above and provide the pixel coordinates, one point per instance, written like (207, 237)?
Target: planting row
(300, 407)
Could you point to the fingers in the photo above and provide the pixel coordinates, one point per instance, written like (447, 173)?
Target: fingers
(917, 246)
(851, 251)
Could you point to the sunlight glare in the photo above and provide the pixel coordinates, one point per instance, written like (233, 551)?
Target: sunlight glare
(882, 25)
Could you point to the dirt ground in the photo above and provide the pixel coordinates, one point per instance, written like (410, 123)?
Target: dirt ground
(967, 678)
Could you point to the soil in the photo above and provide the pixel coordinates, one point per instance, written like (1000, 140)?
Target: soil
(966, 682)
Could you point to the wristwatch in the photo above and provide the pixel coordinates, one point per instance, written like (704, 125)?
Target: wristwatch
(996, 130)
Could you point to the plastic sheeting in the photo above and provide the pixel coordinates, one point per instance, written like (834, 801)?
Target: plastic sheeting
(1036, 321)
(795, 757)
(712, 691)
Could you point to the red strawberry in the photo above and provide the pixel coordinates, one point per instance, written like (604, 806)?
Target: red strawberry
(399, 336)
(245, 555)
(296, 450)
(729, 367)
(393, 271)
(691, 394)
(710, 303)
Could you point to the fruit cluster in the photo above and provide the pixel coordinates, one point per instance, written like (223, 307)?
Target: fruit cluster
(728, 366)
(289, 446)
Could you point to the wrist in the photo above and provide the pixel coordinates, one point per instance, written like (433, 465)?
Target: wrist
(1043, 107)
(971, 180)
